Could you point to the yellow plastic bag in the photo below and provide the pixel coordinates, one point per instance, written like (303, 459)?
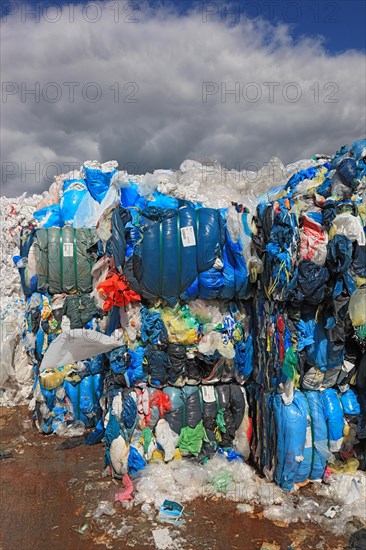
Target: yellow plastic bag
(51, 378)
(177, 328)
(357, 307)
(348, 467)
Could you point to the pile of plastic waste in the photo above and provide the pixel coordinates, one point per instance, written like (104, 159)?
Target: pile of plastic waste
(16, 370)
(180, 315)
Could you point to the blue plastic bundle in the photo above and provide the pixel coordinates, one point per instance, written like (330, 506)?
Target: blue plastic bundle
(177, 252)
(118, 359)
(178, 245)
(244, 357)
(291, 426)
(174, 253)
(324, 353)
(27, 237)
(333, 414)
(84, 397)
(343, 152)
(135, 371)
(319, 430)
(302, 438)
(347, 171)
(98, 182)
(350, 403)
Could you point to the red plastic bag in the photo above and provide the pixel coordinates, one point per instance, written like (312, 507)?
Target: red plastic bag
(313, 241)
(162, 401)
(116, 291)
(126, 492)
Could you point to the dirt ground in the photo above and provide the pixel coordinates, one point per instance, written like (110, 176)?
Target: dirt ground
(48, 496)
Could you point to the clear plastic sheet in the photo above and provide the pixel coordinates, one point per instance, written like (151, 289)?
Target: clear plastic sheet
(186, 480)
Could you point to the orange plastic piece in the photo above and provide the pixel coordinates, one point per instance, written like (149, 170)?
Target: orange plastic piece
(116, 291)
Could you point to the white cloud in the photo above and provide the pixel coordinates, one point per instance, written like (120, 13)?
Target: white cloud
(168, 58)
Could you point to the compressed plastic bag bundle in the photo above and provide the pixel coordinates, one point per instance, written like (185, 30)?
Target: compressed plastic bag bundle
(67, 396)
(85, 396)
(349, 402)
(175, 417)
(291, 424)
(334, 417)
(320, 449)
(63, 263)
(176, 252)
(195, 421)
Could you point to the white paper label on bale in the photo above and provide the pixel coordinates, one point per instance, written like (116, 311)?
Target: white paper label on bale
(309, 438)
(188, 236)
(68, 249)
(208, 394)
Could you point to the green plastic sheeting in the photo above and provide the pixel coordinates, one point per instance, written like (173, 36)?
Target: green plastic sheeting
(361, 332)
(147, 437)
(62, 261)
(222, 480)
(289, 365)
(220, 420)
(191, 439)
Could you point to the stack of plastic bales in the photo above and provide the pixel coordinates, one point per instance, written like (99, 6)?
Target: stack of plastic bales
(55, 267)
(238, 329)
(310, 314)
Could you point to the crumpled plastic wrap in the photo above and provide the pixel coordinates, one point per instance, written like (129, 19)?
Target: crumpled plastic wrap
(183, 481)
(16, 371)
(17, 212)
(214, 186)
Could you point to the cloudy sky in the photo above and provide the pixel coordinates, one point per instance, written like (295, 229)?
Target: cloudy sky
(152, 84)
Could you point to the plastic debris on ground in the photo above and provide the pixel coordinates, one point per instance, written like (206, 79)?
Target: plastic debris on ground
(171, 512)
(163, 540)
(104, 508)
(245, 508)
